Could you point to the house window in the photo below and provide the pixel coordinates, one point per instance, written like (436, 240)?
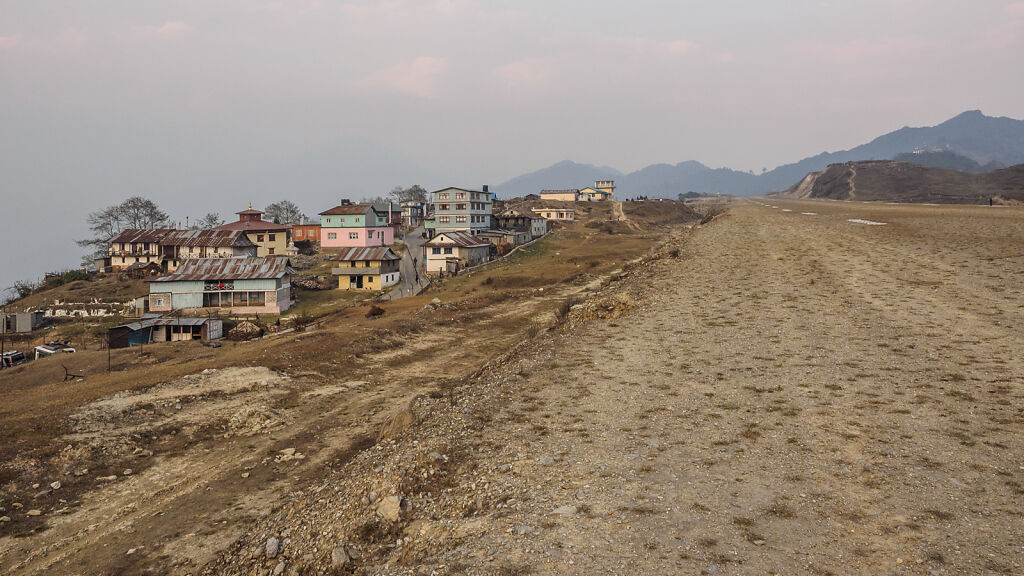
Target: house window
(443, 196)
(460, 219)
(448, 249)
(444, 219)
(460, 206)
(353, 235)
(270, 237)
(358, 219)
(259, 237)
(443, 206)
(460, 195)
(435, 250)
(270, 250)
(298, 232)
(369, 233)
(332, 235)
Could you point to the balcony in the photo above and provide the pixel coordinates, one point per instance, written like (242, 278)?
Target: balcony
(355, 270)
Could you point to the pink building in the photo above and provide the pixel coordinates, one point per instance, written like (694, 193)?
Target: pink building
(355, 225)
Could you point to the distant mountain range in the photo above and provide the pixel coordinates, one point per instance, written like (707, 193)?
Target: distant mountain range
(892, 181)
(969, 142)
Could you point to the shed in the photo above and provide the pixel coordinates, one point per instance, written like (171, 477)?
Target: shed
(151, 330)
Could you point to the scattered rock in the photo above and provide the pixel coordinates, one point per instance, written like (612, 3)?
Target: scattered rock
(17, 505)
(127, 472)
(5, 518)
(279, 569)
(81, 472)
(106, 478)
(546, 461)
(567, 510)
(389, 508)
(273, 547)
(245, 474)
(34, 512)
(55, 485)
(339, 556)
(288, 451)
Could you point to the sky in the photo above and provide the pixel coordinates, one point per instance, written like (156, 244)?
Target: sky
(207, 105)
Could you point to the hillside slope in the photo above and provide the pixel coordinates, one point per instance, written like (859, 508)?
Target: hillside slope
(892, 181)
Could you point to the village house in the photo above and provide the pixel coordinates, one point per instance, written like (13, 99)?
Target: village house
(412, 213)
(373, 268)
(569, 195)
(135, 249)
(461, 210)
(454, 251)
(306, 232)
(602, 190)
(355, 225)
(505, 240)
(533, 224)
(557, 214)
(271, 239)
(236, 285)
(154, 329)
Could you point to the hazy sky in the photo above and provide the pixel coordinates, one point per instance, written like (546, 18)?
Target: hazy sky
(205, 105)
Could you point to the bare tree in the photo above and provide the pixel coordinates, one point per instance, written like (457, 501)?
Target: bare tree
(135, 212)
(416, 193)
(211, 220)
(283, 212)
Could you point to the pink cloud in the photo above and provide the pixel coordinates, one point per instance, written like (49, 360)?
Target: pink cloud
(1015, 10)
(170, 29)
(10, 41)
(862, 49)
(419, 77)
(528, 72)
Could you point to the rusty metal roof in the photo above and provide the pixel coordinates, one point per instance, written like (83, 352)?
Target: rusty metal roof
(211, 238)
(143, 235)
(229, 269)
(370, 253)
(463, 239)
(148, 322)
(216, 238)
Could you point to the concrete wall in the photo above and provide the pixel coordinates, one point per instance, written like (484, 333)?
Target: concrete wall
(342, 237)
(267, 247)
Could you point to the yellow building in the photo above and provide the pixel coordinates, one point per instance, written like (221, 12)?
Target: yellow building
(271, 239)
(374, 268)
(570, 195)
(558, 214)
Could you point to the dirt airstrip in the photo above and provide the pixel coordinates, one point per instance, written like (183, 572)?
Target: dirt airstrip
(789, 392)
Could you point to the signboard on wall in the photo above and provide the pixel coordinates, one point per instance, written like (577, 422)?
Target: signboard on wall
(218, 285)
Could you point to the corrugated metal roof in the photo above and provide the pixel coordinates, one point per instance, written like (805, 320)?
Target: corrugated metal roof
(463, 239)
(140, 235)
(208, 238)
(371, 253)
(216, 238)
(348, 209)
(566, 191)
(229, 269)
(149, 322)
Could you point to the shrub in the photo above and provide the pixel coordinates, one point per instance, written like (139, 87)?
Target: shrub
(374, 311)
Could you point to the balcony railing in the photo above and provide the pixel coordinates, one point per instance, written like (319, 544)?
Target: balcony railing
(355, 270)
